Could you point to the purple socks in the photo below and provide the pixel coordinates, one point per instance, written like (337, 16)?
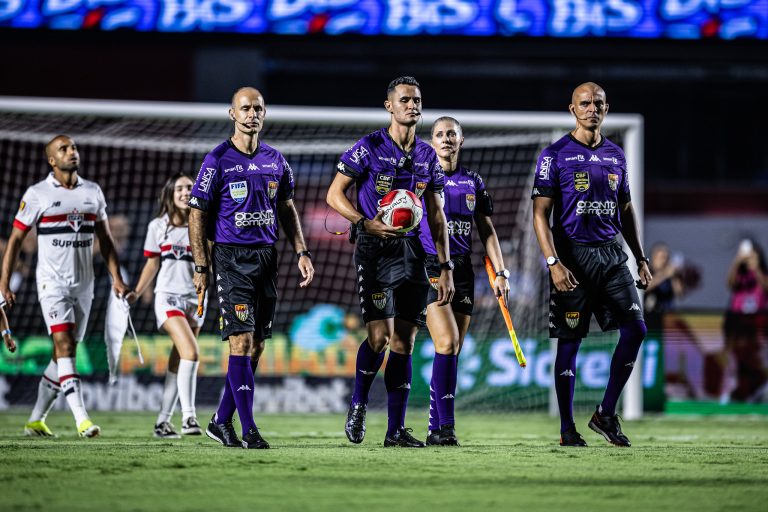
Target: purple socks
(565, 379)
(442, 390)
(366, 368)
(397, 378)
(238, 394)
(622, 363)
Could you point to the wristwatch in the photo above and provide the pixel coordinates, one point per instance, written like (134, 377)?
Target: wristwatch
(503, 273)
(552, 260)
(447, 265)
(304, 253)
(646, 259)
(201, 269)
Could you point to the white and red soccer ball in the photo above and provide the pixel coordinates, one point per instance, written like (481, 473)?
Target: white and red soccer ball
(402, 209)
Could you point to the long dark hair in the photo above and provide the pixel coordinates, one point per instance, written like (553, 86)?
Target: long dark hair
(165, 201)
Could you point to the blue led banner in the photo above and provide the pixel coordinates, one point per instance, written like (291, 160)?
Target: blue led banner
(677, 19)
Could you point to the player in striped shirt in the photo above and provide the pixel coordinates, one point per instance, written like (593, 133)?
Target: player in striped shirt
(169, 257)
(66, 210)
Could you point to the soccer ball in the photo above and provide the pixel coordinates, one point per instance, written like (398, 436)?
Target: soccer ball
(402, 209)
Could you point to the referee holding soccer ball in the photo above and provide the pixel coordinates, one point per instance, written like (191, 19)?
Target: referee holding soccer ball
(391, 278)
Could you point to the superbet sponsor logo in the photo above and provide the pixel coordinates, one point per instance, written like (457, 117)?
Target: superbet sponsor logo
(238, 168)
(272, 166)
(459, 227)
(258, 219)
(596, 208)
(612, 159)
(71, 243)
(579, 158)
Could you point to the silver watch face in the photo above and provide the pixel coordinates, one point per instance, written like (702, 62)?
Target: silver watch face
(505, 273)
(551, 261)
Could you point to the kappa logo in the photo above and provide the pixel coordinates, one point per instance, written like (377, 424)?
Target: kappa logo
(193, 201)
(572, 319)
(594, 158)
(546, 162)
(238, 190)
(244, 387)
(56, 204)
(421, 186)
(630, 364)
(568, 373)
(470, 200)
(379, 299)
(407, 385)
(253, 167)
(178, 251)
(241, 312)
(466, 300)
(340, 166)
(75, 220)
(205, 178)
(433, 282)
(581, 181)
(366, 372)
(634, 307)
(613, 181)
(448, 397)
(383, 184)
(272, 189)
(450, 183)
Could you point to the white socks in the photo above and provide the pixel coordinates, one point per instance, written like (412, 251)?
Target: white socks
(47, 392)
(170, 396)
(70, 385)
(187, 385)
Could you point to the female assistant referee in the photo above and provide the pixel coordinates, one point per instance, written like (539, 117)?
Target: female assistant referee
(466, 202)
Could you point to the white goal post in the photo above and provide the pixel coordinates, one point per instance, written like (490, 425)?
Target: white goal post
(553, 124)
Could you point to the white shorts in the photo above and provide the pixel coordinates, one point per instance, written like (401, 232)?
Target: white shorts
(67, 313)
(173, 304)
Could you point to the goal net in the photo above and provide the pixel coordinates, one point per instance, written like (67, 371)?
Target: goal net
(131, 148)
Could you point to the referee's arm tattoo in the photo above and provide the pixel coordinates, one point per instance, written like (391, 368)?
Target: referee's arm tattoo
(197, 221)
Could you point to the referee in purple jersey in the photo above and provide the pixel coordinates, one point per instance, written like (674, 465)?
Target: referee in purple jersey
(581, 181)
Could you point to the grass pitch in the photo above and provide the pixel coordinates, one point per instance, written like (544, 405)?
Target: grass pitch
(506, 462)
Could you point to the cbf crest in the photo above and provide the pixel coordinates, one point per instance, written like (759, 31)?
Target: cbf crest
(421, 186)
(572, 319)
(379, 299)
(581, 181)
(238, 190)
(272, 189)
(470, 200)
(613, 181)
(75, 220)
(383, 184)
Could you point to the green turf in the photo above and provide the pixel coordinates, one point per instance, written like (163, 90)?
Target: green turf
(506, 462)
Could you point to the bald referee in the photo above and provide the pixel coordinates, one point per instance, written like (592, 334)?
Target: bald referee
(583, 179)
(243, 188)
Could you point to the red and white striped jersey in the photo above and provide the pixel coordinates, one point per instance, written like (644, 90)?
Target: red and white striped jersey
(65, 220)
(171, 244)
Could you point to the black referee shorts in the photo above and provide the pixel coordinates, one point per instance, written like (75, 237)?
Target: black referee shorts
(246, 283)
(391, 279)
(606, 289)
(463, 280)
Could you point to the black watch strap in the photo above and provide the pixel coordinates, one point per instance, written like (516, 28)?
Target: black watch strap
(645, 259)
(447, 265)
(201, 269)
(303, 253)
(360, 225)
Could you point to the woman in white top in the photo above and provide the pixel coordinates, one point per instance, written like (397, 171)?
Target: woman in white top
(169, 257)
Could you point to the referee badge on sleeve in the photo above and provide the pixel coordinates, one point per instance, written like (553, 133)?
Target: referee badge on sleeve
(379, 299)
(572, 319)
(470, 198)
(433, 282)
(421, 186)
(613, 181)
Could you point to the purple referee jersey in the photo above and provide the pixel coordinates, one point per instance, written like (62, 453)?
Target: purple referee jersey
(379, 166)
(240, 193)
(460, 195)
(588, 186)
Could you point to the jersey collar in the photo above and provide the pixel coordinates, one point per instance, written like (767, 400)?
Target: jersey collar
(53, 181)
(232, 145)
(577, 141)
